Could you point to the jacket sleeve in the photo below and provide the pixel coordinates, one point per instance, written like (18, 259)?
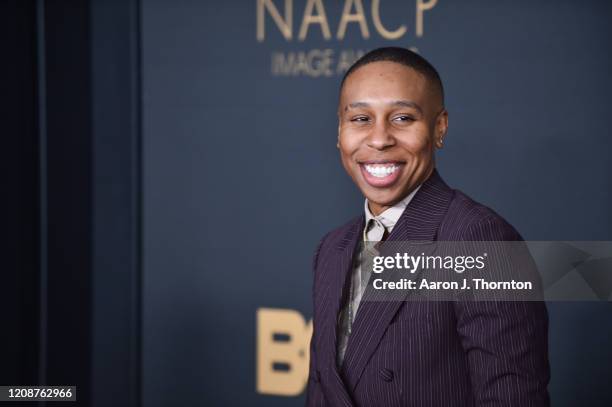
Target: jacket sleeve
(506, 341)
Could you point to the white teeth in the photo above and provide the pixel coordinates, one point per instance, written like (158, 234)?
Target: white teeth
(381, 171)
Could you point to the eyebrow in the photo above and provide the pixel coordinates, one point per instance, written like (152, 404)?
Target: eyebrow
(400, 103)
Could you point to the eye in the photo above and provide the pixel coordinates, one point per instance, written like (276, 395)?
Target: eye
(403, 118)
(360, 119)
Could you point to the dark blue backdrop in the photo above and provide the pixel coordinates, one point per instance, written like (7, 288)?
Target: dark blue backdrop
(240, 163)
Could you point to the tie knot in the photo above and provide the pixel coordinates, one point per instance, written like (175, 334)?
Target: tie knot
(375, 231)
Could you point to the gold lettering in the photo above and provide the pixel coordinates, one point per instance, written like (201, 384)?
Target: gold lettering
(390, 35)
(309, 18)
(358, 17)
(285, 26)
(281, 66)
(314, 63)
(320, 62)
(422, 6)
(346, 59)
(293, 352)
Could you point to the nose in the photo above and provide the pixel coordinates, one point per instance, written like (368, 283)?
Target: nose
(380, 137)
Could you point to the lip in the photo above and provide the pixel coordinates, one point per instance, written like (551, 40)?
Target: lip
(364, 162)
(381, 182)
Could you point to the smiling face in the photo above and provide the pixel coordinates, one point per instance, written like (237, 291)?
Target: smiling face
(391, 120)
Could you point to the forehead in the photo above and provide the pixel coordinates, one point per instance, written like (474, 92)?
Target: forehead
(385, 80)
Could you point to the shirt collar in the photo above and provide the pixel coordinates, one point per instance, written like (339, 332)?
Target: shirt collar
(391, 215)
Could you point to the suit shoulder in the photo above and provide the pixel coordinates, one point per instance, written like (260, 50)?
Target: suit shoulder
(327, 246)
(469, 219)
(335, 237)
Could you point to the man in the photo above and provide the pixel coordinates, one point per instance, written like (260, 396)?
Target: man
(391, 120)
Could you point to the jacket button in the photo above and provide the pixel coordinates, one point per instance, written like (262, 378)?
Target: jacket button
(386, 374)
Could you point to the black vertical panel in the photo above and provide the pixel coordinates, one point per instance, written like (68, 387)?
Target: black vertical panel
(116, 193)
(70, 287)
(93, 127)
(69, 198)
(20, 183)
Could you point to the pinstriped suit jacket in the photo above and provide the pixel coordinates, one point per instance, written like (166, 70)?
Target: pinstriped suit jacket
(426, 353)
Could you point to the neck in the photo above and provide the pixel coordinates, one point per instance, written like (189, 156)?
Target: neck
(377, 209)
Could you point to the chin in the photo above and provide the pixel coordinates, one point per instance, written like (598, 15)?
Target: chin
(383, 198)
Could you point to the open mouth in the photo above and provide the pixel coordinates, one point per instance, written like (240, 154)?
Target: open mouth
(381, 174)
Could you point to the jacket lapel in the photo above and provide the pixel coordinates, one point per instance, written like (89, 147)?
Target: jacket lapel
(419, 222)
(339, 271)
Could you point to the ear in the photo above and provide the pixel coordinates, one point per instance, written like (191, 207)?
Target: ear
(441, 128)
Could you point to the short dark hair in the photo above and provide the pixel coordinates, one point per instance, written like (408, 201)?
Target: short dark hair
(401, 56)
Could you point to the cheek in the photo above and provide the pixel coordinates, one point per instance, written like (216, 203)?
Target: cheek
(417, 143)
(348, 144)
